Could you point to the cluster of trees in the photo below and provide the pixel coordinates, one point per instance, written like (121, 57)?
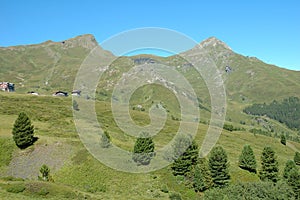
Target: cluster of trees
(201, 173)
(260, 132)
(205, 174)
(286, 112)
(283, 136)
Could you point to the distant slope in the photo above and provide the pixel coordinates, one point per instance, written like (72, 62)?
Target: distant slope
(52, 66)
(47, 66)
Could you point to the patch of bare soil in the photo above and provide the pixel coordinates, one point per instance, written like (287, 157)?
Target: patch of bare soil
(27, 163)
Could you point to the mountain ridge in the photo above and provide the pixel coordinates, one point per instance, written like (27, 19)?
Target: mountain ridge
(50, 66)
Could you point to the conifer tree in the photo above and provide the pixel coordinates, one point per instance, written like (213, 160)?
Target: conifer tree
(23, 131)
(247, 159)
(219, 167)
(187, 159)
(297, 158)
(105, 140)
(201, 176)
(143, 150)
(289, 165)
(283, 139)
(294, 182)
(269, 170)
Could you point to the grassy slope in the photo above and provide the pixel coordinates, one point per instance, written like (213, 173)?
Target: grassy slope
(30, 67)
(84, 174)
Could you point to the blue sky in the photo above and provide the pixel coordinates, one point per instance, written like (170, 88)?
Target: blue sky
(266, 29)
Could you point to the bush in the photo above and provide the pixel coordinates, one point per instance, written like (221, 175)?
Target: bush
(297, 158)
(143, 150)
(228, 127)
(290, 164)
(43, 192)
(256, 190)
(15, 188)
(175, 196)
(164, 189)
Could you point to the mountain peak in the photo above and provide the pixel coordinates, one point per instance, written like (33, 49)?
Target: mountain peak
(213, 42)
(87, 41)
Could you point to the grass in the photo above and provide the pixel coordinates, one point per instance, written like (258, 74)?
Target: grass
(79, 175)
(86, 174)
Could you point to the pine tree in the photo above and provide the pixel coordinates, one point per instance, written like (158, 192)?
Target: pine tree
(23, 131)
(294, 182)
(187, 159)
(143, 150)
(247, 159)
(219, 167)
(297, 158)
(201, 176)
(283, 139)
(105, 140)
(269, 170)
(290, 164)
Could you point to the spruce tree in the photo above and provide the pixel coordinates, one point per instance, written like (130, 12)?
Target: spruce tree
(269, 170)
(247, 159)
(23, 131)
(187, 159)
(201, 176)
(143, 150)
(294, 182)
(297, 158)
(219, 167)
(290, 164)
(283, 139)
(198, 180)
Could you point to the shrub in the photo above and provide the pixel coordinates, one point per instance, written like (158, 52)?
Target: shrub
(175, 196)
(143, 150)
(15, 188)
(297, 158)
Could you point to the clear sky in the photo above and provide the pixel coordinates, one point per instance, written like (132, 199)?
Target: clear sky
(266, 29)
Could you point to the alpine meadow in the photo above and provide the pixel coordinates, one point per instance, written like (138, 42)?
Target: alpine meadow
(42, 155)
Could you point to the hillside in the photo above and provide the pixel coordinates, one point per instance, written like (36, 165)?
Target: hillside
(51, 66)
